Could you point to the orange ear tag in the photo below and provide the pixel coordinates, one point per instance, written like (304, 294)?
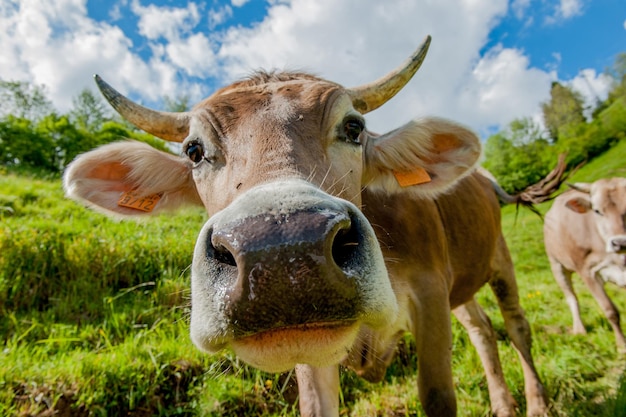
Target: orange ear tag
(415, 177)
(130, 199)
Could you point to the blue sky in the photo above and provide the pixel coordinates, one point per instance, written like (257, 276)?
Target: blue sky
(491, 61)
(589, 38)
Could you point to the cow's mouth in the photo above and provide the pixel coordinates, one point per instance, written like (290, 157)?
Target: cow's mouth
(317, 344)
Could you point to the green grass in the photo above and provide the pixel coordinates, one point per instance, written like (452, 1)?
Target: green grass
(93, 318)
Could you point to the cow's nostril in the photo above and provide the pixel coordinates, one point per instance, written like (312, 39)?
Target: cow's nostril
(617, 244)
(223, 255)
(345, 245)
(218, 251)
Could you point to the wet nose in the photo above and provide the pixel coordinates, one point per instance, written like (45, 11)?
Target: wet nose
(618, 244)
(289, 269)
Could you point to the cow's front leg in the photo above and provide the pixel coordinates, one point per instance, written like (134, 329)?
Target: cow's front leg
(319, 390)
(483, 337)
(433, 336)
(563, 277)
(596, 286)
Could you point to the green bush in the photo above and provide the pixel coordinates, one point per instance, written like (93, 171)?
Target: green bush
(516, 166)
(54, 141)
(21, 144)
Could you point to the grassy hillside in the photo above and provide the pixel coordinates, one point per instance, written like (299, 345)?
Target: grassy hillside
(93, 319)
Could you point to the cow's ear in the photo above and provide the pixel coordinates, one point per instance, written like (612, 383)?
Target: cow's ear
(578, 204)
(425, 156)
(130, 179)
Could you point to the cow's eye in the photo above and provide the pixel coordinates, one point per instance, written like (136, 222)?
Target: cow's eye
(195, 152)
(353, 129)
(598, 212)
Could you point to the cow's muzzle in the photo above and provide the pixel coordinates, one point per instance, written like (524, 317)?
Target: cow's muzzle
(617, 244)
(287, 258)
(291, 268)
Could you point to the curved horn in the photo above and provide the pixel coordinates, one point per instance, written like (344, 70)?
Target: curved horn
(371, 96)
(173, 127)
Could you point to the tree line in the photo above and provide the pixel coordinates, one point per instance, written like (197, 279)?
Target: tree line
(35, 137)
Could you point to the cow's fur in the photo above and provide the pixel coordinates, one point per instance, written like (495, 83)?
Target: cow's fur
(313, 253)
(585, 232)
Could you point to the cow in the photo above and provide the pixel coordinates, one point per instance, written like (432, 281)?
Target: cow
(585, 233)
(325, 242)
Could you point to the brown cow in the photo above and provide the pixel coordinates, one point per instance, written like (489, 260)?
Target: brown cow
(585, 232)
(325, 242)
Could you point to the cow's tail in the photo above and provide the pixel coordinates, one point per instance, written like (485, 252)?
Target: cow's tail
(537, 193)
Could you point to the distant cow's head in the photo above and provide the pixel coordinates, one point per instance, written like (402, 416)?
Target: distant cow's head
(606, 200)
(287, 269)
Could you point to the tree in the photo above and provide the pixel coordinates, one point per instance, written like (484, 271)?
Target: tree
(22, 145)
(23, 100)
(518, 156)
(178, 104)
(89, 111)
(523, 132)
(114, 130)
(67, 138)
(618, 73)
(563, 111)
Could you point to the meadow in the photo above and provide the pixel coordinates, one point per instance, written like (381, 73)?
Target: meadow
(94, 322)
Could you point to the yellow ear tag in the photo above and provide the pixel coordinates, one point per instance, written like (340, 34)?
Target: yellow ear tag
(130, 199)
(415, 177)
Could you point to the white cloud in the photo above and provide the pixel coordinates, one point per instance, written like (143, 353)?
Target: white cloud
(520, 7)
(564, 10)
(56, 45)
(553, 65)
(592, 86)
(116, 11)
(219, 15)
(502, 85)
(176, 44)
(570, 8)
(166, 22)
(239, 3)
(193, 56)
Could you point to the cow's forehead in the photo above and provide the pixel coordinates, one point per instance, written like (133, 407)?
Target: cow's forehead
(609, 192)
(298, 89)
(267, 103)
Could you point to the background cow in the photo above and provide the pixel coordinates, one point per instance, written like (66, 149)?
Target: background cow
(585, 232)
(325, 242)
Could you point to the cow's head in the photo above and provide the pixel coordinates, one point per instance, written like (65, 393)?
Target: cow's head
(287, 269)
(606, 199)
